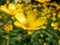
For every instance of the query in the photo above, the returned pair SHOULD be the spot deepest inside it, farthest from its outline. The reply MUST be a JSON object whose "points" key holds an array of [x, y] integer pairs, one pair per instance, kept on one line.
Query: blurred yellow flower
{"points": [[55, 28], [19, 1], [54, 24], [4, 8], [10, 10], [29, 22], [54, 14], [53, 18], [8, 27], [19, 5], [42, 1]]}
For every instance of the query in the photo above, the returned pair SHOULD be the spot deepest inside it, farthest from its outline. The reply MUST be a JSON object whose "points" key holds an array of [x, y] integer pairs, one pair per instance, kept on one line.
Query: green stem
{"points": [[7, 38]]}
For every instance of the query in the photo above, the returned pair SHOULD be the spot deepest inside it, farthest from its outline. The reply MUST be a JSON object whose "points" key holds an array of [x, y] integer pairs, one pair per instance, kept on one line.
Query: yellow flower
{"points": [[11, 9], [19, 5], [53, 18], [43, 1], [7, 1], [54, 24], [29, 22], [4, 8], [43, 14], [55, 28], [8, 27]]}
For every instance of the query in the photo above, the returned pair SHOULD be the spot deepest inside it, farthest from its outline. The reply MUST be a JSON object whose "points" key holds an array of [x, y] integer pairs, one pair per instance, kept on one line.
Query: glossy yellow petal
{"points": [[11, 6], [20, 17], [40, 21], [12, 9], [31, 17], [19, 5], [18, 24], [4, 9], [19, 10], [12, 12], [32, 28]]}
